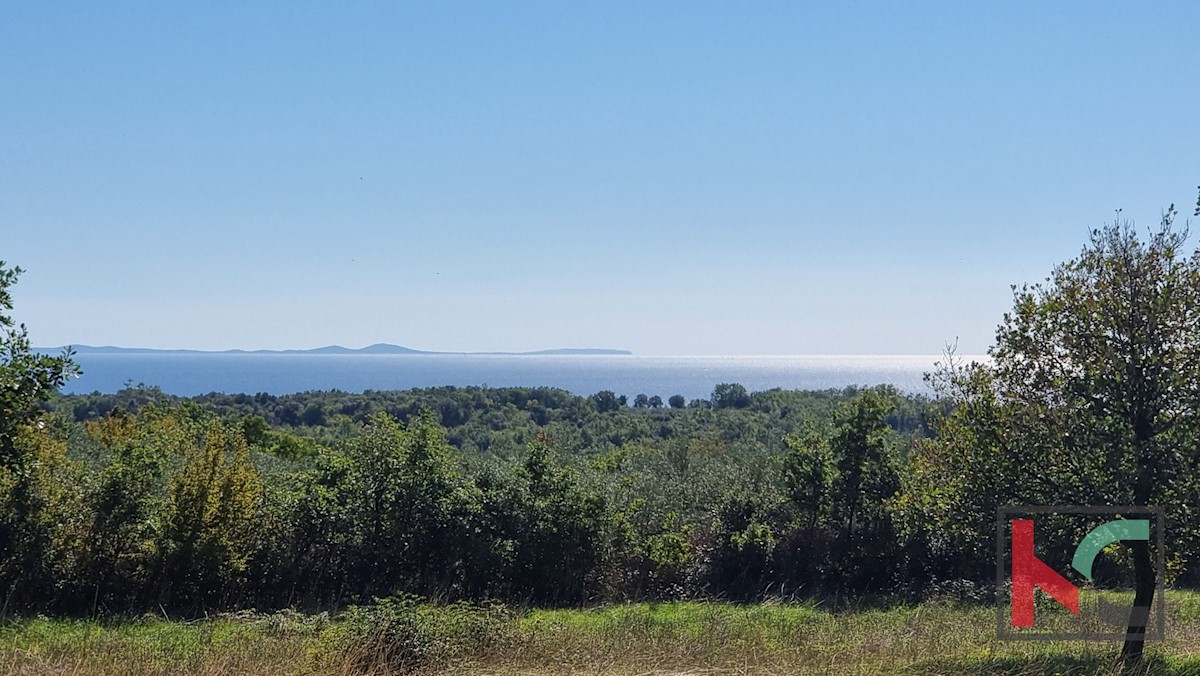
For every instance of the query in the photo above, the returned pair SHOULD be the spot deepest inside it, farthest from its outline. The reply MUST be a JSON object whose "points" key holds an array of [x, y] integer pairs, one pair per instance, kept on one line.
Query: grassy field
{"points": [[666, 638]]}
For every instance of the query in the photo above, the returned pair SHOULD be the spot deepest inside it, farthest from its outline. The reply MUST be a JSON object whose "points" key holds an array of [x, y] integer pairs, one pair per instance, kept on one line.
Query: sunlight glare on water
{"points": [[693, 377]]}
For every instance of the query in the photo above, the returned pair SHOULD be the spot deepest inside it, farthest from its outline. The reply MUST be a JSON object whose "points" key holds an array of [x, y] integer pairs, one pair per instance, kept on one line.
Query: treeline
{"points": [[137, 500], [502, 421], [140, 501]]}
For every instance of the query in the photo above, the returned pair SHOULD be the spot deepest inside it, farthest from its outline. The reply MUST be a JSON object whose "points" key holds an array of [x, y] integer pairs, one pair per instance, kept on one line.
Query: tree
{"points": [[677, 401], [656, 401], [1092, 397], [559, 543], [213, 515], [607, 400], [842, 481], [864, 457], [30, 457], [730, 395], [534, 531], [401, 489], [123, 501], [641, 401], [26, 377]]}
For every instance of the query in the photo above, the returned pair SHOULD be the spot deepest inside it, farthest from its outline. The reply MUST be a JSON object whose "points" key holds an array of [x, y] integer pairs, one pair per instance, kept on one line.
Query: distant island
{"points": [[377, 348]]}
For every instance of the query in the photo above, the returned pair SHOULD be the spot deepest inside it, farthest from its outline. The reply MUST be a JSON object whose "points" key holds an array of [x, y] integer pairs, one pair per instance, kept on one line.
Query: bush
{"points": [[403, 634]]}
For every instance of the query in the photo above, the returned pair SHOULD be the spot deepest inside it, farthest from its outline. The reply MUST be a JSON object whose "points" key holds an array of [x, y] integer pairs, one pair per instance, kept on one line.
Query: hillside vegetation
{"points": [[321, 499]]}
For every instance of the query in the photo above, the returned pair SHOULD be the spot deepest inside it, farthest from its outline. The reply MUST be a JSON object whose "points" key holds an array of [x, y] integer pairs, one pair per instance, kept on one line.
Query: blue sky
{"points": [[670, 178]]}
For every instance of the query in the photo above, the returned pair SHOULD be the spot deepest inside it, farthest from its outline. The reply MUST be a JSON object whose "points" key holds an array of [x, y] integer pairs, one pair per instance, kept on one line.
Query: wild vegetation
{"points": [[486, 500], [403, 636], [521, 495]]}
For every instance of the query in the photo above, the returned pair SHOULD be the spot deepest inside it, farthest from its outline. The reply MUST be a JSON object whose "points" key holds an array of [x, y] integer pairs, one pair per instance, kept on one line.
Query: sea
{"points": [[188, 374]]}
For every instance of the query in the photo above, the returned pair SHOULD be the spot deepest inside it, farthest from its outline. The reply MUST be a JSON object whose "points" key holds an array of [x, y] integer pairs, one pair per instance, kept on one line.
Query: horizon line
{"points": [[597, 351]]}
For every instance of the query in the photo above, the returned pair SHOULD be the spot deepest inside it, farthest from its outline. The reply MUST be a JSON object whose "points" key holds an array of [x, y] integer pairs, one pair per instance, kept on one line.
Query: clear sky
{"points": [[665, 177]]}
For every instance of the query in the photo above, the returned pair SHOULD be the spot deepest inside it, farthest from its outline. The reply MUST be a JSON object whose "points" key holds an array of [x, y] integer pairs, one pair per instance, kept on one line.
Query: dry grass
{"points": [[149, 647], [660, 639]]}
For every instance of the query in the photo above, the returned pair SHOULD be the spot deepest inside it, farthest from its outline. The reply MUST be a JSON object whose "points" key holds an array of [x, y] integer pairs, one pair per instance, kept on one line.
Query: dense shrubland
{"points": [[528, 496], [140, 500]]}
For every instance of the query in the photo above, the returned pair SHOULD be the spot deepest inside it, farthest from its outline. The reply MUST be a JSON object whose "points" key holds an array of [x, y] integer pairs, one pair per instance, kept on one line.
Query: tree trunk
{"points": [[1139, 617]]}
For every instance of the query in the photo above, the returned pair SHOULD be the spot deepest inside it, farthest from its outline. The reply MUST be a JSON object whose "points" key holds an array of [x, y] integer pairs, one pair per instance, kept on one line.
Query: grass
{"points": [[148, 646], [646, 638]]}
